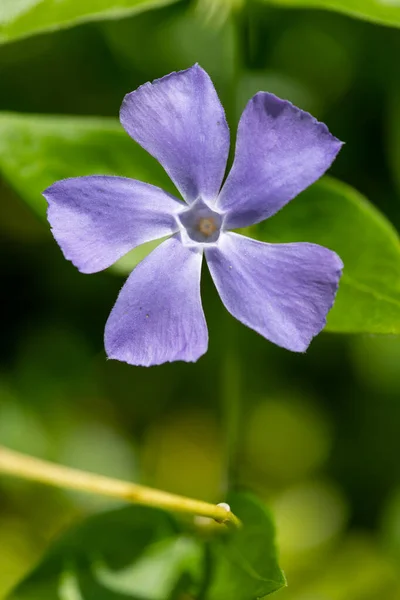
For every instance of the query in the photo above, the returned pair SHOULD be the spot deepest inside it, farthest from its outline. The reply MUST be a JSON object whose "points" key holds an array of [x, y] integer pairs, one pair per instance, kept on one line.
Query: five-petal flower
{"points": [[282, 291]]}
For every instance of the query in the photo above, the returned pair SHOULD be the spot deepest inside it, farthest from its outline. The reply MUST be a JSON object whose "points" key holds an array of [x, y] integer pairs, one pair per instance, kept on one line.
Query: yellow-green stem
{"points": [[27, 467]]}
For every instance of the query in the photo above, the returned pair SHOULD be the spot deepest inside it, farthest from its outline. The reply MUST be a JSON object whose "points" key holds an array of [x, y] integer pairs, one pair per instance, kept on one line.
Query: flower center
{"points": [[199, 224], [207, 226]]}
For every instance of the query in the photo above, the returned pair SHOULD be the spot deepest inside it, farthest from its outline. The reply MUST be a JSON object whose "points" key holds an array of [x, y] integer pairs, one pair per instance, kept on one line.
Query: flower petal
{"points": [[280, 151], [282, 291], [180, 121], [158, 316], [98, 219]]}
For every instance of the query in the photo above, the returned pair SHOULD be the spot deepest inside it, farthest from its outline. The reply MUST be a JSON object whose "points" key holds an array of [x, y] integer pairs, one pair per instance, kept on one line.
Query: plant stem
{"points": [[231, 409], [27, 467]]}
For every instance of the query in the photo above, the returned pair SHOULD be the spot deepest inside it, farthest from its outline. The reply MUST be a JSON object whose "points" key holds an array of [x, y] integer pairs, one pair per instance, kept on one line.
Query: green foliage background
{"points": [[319, 433]]}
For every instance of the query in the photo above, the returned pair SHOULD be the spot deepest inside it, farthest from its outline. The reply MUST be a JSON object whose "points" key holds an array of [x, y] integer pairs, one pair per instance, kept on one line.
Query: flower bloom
{"points": [[282, 291]]}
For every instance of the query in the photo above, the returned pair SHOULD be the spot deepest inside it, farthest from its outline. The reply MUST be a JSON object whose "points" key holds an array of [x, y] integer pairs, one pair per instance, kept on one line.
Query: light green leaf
{"points": [[334, 215], [36, 151], [244, 563], [128, 262], [22, 18], [157, 572], [385, 12]]}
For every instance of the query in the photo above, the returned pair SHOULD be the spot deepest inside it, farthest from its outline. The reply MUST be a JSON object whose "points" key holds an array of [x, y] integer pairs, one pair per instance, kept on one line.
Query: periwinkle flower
{"points": [[282, 291]]}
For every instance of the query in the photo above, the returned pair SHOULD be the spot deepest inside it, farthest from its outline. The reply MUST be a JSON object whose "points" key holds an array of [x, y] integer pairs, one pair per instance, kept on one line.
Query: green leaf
{"points": [[141, 553], [244, 564], [385, 12], [36, 151], [157, 573], [135, 553], [128, 262], [22, 18], [334, 215]]}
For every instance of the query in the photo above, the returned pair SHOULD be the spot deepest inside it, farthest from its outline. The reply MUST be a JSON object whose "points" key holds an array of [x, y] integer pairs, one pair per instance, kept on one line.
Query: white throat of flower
{"points": [[200, 225]]}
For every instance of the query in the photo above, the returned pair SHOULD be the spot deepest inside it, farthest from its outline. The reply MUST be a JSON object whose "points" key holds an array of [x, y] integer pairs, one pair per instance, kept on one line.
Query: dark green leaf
{"points": [[134, 553], [244, 563]]}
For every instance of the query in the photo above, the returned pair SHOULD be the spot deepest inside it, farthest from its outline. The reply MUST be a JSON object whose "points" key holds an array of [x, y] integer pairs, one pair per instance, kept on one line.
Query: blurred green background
{"points": [[320, 433]]}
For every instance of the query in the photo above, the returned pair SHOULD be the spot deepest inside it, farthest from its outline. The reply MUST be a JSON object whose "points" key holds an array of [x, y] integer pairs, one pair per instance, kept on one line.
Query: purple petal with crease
{"points": [[158, 316], [280, 151], [180, 121], [282, 291], [98, 219]]}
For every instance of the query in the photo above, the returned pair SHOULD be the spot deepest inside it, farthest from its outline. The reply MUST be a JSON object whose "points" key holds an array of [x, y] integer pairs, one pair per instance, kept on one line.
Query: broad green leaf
{"points": [[244, 564], [22, 18], [385, 12], [141, 553], [133, 553], [334, 215], [36, 151]]}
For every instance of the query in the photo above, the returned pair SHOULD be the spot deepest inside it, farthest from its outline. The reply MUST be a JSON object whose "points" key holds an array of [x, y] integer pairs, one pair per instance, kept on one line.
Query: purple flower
{"points": [[282, 291]]}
